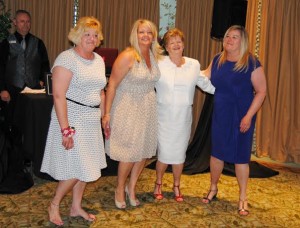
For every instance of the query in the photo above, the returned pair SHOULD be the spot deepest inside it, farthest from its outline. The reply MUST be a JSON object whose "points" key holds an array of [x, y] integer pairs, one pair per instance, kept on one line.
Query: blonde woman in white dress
{"points": [[175, 93], [74, 153]]}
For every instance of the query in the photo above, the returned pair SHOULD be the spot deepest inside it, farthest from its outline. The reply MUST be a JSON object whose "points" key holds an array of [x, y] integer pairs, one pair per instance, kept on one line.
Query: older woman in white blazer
{"points": [[175, 94]]}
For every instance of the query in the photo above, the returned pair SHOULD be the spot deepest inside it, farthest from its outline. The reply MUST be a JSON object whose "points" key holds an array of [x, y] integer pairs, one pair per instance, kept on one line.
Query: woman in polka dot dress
{"points": [[74, 153], [130, 118]]}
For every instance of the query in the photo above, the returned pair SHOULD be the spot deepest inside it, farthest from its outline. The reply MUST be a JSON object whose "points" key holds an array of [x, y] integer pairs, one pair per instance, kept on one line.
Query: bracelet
{"points": [[68, 131], [107, 114]]}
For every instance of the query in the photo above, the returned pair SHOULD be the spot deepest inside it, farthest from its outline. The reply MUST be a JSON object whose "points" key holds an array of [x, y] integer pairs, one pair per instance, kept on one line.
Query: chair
{"points": [[109, 56]]}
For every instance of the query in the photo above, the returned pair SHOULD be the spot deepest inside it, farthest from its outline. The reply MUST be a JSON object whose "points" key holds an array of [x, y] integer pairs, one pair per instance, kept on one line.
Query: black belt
{"points": [[76, 102]]}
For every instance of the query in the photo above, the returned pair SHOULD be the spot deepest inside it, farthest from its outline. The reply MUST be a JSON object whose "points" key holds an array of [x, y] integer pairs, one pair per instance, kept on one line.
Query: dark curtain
{"points": [[198, 151]]}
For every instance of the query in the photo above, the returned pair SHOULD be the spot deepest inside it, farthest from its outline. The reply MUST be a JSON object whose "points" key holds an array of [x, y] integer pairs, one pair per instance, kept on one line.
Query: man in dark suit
{"points": [[23, 62]]}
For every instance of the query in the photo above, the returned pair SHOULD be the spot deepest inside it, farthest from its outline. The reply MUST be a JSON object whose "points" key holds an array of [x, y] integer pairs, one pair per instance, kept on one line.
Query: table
{"points": [[32, 117]]}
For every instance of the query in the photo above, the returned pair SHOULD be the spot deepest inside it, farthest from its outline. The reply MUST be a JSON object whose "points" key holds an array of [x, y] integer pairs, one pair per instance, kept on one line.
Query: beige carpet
{"points": [[273, 202]]}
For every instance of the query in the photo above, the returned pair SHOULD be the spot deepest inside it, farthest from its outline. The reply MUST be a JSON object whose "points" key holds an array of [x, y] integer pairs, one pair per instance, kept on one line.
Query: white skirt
{"points": [[174, 129]]}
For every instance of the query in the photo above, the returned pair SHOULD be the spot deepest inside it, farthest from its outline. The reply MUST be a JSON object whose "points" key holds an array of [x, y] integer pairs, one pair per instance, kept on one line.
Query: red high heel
{"points": [[158, 196], [178, 198]]}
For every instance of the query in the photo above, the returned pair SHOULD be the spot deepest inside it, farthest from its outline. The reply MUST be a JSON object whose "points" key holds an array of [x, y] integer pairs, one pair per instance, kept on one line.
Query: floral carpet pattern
{"points": [[273, 202]]}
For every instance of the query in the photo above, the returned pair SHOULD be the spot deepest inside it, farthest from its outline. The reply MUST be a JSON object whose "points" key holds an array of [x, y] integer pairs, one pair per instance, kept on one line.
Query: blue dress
{"points": [[233, 97]]}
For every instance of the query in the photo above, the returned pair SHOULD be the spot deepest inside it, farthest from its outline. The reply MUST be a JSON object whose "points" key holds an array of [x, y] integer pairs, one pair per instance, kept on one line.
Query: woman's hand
{"points": [[67, 142], [106, 126], [245, 124]]}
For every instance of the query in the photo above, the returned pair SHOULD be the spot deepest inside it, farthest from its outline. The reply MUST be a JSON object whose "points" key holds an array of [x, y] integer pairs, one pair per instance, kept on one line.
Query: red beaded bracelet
{"points": [[68, 132]]}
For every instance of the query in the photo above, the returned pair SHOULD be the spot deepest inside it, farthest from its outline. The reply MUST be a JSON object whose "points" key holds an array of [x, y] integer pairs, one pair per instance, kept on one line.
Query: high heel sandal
{"points": [[207, 200], [158, 196], [120, 205], [242, 211], [179, 197], [133, 202]]}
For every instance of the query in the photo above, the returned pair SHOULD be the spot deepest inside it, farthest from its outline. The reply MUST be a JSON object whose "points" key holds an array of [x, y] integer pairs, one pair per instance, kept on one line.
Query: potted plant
{"points": [[5, 21]]}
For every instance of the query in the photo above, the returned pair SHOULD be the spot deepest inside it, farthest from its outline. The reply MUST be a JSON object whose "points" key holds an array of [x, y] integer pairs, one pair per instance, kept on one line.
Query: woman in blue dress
{"points": [[240, 85]]}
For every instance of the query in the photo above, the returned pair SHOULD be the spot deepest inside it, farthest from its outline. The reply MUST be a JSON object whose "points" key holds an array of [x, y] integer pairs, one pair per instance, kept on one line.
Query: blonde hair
{"points": [[133, 39], [82, 26], [169, 34], [243, 61]]}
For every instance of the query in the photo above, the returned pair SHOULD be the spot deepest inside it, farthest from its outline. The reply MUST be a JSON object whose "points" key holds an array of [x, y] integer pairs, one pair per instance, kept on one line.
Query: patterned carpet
{"points": [[273, 202]]}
